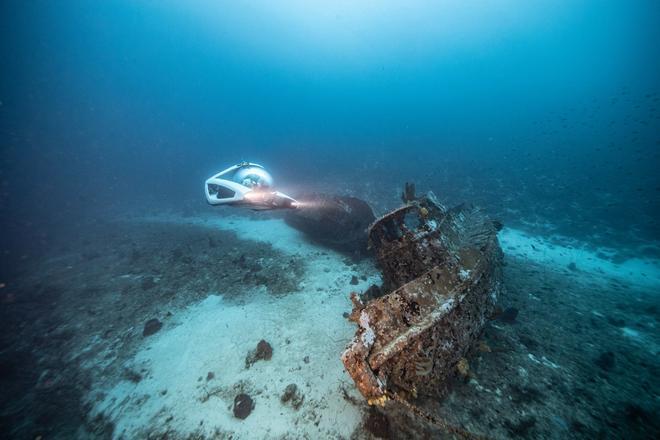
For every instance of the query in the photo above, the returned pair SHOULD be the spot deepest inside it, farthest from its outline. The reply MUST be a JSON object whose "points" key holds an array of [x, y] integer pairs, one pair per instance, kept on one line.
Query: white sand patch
{"points": [[644, 272], [216, 335], [630, 333], [648, 341], [267, 230], [543, 361]]}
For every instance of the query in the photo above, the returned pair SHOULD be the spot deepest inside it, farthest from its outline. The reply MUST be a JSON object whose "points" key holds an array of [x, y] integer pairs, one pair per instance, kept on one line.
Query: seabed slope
{"points": [[579, 360]]}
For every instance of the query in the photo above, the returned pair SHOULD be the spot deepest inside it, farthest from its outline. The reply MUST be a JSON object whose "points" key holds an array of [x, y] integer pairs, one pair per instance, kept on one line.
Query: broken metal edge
{"points": [[365, 355]]}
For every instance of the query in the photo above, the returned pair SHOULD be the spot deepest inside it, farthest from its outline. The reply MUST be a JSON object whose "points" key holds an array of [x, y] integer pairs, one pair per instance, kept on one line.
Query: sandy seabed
{"points": [[577, 358], [305, 328]]}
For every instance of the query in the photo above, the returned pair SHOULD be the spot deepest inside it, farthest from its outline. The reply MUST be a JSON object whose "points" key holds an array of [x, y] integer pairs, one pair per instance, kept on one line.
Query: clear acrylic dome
{"points": [[253, 176]]}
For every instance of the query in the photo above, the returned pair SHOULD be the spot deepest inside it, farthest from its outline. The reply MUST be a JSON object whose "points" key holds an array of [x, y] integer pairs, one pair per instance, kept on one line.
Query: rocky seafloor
{"points": [[572, 354]]}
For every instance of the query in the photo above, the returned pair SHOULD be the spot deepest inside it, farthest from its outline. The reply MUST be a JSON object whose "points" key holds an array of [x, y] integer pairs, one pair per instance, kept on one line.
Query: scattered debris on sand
{"points": [[263, 352], [292, 396], [69, 371]]}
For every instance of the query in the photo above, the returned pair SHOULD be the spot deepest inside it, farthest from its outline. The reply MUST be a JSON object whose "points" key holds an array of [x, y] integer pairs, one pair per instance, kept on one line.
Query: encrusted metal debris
{"points": [[442, 268]]}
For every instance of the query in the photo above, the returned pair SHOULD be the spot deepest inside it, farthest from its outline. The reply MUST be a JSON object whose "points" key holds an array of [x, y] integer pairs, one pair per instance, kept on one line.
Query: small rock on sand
{"points": [[243, 406], [148, 283], [152, 326], [605, 361], [509, 315]]}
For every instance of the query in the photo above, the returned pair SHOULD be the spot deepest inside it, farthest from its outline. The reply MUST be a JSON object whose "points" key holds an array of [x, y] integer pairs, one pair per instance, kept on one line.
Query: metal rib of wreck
{"points": [[443, 271]]}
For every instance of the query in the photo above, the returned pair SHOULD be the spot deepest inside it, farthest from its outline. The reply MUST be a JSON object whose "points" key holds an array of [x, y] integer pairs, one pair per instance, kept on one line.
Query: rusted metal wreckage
{"points": [[442, 271]]}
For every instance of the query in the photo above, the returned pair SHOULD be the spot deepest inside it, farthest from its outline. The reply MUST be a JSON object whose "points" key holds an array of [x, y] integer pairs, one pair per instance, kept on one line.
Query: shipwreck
{"points": [[442, 274]]}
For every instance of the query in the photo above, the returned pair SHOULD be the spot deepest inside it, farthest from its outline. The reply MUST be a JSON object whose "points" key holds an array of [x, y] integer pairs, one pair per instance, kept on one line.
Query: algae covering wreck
{"points": [[442, 274]]}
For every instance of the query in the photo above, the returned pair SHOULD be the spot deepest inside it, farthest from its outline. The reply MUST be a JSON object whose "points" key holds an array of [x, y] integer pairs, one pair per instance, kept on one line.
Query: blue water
{"points": [[546, 113], [550, 108]]}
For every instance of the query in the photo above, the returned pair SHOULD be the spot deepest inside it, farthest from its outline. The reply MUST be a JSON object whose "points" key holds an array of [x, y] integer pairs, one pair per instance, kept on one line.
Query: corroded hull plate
{"points": [[443, 269]]}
